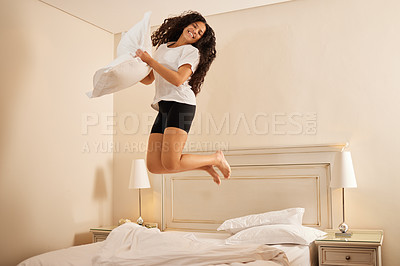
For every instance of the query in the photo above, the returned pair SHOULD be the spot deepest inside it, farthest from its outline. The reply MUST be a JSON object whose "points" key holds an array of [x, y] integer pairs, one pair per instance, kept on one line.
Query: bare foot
{"points": [[210, 169], [223, 165]]}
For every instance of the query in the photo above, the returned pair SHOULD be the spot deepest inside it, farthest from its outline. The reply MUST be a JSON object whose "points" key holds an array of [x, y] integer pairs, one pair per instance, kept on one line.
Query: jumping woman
{"points": [[185, 49]]}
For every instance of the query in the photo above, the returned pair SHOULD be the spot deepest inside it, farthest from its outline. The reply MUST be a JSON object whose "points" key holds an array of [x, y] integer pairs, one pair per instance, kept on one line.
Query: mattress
{"points": [[298, 255]]}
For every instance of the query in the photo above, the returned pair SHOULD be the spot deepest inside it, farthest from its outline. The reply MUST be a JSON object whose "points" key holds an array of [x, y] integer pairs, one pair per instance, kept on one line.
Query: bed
{"points": [[192, 208], [83, 255]]}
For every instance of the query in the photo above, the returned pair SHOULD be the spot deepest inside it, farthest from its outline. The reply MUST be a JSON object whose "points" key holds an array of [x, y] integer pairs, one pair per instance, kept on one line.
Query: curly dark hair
{"points": [[171, 30]]}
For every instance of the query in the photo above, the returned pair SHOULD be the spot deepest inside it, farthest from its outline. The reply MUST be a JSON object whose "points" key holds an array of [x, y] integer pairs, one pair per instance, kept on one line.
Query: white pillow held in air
{"points": [[125, 70]]}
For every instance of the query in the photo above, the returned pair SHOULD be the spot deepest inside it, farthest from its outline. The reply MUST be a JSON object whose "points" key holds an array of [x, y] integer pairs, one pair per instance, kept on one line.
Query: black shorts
{"points": [[173, 114]]}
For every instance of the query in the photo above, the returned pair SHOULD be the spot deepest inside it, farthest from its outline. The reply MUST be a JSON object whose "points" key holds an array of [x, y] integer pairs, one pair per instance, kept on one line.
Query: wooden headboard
{"points": [[262, 180]]}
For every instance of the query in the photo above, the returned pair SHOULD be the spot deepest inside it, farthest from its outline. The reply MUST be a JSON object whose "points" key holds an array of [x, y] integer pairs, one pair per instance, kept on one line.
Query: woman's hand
{"points": [[144, 56]]}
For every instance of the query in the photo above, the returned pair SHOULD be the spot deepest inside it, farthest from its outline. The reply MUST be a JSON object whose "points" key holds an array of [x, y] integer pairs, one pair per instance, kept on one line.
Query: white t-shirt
{"points": [[173, 58]]}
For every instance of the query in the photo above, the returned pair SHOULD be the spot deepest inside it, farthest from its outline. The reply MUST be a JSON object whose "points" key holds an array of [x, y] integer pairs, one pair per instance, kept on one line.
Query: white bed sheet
{"points": [[298, 255], [132, 244], [77, 255]]}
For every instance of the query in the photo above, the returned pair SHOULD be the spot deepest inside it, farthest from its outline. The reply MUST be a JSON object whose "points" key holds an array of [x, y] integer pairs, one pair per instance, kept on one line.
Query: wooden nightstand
{"points": [[101, 233], [362, 248]]}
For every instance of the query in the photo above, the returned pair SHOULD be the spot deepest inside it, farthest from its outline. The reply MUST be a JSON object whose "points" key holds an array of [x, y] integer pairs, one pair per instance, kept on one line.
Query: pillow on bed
{"points": [[287, 216], [125, 70], [276, 234]]}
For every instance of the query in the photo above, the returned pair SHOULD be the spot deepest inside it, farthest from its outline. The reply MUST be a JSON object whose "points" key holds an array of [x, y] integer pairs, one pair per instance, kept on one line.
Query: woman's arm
{"points": [[176, 78], [148, 79]]}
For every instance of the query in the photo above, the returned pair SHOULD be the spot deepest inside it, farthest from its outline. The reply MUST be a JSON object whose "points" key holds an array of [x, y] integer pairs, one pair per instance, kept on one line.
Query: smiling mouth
{"points": [[191, 34]]}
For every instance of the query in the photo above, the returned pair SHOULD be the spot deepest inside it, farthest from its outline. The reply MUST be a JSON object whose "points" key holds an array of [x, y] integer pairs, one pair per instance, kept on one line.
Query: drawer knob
{"points": [[347, 257]]}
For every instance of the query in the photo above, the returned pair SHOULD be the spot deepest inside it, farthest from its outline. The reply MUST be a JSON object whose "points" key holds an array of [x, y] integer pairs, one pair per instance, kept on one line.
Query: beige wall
{"points": [[51, 190], [280, 65]]}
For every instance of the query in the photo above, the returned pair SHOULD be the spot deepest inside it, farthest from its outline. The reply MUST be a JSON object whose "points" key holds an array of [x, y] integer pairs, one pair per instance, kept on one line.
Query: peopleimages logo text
{"points": [[278, 123]]}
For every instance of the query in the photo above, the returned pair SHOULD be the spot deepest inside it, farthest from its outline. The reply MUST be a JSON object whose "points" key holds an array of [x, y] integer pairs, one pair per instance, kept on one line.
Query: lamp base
{"points": [[343, 227], [139, 221]]}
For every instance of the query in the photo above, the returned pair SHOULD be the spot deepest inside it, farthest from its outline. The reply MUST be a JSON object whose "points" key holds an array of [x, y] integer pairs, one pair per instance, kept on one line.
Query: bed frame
{"points": [[263, 179]]}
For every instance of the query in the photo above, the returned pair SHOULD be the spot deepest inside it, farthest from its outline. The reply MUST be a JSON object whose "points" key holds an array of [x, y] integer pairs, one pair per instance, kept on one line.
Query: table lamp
{"points": [[138, 180], [343, 177]]}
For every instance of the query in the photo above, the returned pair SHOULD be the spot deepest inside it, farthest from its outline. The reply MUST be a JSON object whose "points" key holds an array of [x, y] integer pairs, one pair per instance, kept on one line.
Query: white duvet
{"points": [[131, 244]]}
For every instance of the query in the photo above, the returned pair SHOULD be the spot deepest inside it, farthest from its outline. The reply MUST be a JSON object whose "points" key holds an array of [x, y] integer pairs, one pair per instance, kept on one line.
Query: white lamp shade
{"points": [[343, 172], [139, 177]]}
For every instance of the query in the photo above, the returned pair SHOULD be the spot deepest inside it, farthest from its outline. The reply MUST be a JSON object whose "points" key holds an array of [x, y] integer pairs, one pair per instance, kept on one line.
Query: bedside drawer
{"points": [[97, 237], [347, 256]]}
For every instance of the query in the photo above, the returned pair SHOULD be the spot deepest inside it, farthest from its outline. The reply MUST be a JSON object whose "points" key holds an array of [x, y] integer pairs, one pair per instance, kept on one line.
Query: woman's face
{"points": [[194, 31]]}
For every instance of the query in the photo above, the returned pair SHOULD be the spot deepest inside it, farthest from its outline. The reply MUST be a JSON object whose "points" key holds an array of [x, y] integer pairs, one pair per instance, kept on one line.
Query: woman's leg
{"points": [[172, 159], [154, 163], [167, 140]]}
